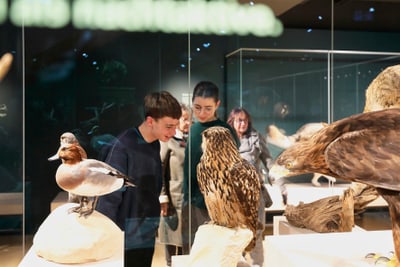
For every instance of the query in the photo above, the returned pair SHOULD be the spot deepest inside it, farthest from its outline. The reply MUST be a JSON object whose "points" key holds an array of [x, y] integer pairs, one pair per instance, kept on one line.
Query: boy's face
{"points": [[164, 128]]}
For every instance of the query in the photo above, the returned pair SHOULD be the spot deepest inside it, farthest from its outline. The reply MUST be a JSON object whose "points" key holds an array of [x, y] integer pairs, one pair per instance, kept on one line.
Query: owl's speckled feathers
{"points": [[229, 183]]}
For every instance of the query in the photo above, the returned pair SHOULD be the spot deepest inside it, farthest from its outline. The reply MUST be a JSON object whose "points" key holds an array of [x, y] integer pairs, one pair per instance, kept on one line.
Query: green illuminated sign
{"points": [[195, 16]]}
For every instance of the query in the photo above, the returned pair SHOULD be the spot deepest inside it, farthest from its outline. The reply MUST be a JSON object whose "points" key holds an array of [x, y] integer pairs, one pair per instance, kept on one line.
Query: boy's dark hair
{"points": [[161, 104]]}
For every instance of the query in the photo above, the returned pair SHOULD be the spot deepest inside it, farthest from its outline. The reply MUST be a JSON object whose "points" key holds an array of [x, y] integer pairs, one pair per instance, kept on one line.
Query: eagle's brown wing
{"points": [[370, 156]]}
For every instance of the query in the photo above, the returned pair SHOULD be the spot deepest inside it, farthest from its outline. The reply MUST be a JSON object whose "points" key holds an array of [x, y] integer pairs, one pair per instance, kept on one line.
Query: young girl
{"points": [[205, 103]]}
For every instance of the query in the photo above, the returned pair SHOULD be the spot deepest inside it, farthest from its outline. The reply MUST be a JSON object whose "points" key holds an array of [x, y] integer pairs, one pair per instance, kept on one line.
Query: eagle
{"points": [[363, 148], [276, 137], [229, 183]]}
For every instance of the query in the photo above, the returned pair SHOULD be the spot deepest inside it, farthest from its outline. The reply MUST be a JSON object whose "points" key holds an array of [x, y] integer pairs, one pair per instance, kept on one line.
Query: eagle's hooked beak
{"points": [[277, 172]]}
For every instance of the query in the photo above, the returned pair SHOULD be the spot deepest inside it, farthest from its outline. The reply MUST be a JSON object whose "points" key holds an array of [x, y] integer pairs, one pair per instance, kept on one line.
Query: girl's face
{"points": [[240, 123], [204, 108]]}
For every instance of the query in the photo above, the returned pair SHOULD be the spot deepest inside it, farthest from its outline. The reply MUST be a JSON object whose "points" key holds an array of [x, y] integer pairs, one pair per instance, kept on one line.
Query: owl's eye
{"points": [[289, 165]]}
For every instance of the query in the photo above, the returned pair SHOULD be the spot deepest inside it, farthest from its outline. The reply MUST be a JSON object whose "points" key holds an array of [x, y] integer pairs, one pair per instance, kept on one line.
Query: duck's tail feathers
{"points": [[128, 183]]}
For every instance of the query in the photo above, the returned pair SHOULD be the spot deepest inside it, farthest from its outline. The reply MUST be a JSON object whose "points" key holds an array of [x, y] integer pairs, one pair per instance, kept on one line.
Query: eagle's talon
{"points": [[388, 261], [382, 259], [370, 255]]}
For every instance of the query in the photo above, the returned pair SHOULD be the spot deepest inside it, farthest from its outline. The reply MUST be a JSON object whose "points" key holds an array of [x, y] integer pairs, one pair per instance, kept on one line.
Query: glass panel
{"points": [[352, 73], [12, 189], [289, 88], [270, 84], [92, 82]]}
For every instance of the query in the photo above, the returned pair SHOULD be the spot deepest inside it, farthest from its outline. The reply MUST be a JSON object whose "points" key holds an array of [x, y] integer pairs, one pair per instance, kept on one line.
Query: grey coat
{"points": [[253, 148], [172, 157]]}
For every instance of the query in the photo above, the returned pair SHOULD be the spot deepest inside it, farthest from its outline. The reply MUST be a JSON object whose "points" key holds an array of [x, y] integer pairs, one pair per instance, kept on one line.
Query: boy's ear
{"points": [[149, 120]]}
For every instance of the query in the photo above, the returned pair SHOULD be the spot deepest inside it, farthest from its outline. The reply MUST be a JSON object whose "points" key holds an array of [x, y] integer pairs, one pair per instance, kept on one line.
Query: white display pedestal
{"points": [[180, 261], [32, 260], [215, 245], [322, 250], [326, 250], [65, 237]]}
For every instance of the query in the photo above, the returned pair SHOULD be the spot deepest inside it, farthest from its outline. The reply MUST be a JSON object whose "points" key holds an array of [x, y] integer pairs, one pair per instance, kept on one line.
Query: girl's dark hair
{"points": [[161, 104], [206, 89], [236, 111]]}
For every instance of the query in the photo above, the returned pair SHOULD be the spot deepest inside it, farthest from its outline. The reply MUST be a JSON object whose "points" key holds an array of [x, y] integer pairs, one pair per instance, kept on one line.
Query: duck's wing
{"points": [[100, 178], [97, 166]]}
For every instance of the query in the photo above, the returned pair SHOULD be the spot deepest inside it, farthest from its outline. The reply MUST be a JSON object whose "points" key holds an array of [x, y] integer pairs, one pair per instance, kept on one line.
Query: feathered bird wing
{"points": [[246, 188], [369, 156], [349, 149], [90, 177]]}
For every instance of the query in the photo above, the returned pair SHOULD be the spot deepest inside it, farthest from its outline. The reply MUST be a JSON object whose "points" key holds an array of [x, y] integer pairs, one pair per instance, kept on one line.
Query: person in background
{"points": [[172, 157], [136, 153], [254, 149], [205, 102]]}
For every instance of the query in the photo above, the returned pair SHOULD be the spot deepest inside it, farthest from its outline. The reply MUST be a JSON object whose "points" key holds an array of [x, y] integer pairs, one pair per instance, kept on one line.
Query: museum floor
{"points": [[10, 245]]}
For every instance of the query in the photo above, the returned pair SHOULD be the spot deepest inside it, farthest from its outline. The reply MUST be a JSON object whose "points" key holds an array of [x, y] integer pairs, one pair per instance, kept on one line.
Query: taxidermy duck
{"points": [[66, 139], [87, 178]]}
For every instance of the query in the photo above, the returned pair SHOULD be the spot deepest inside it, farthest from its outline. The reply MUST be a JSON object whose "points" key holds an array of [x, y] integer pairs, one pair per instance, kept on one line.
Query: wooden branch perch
{"points": [[331, 214]]}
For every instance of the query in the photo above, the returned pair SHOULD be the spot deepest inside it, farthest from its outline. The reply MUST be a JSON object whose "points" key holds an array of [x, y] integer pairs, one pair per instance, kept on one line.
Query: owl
{"points": [[229, 183]]}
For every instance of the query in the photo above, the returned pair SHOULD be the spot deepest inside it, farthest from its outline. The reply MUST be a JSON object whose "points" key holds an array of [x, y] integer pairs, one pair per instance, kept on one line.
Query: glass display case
{"points": [[289, 88], [14, 190], [92, 81]]}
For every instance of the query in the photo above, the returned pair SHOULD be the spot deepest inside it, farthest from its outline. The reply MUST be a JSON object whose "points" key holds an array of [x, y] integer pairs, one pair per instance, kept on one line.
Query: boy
{"points": [[136, 153]]}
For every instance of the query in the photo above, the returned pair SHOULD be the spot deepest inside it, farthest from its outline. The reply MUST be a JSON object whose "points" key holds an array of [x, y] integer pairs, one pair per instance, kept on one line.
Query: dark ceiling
{"points": [[349, 15]]}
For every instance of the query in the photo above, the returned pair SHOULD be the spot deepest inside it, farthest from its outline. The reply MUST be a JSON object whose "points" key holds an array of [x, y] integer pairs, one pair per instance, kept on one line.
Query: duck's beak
{"points": [[54, 157]]}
